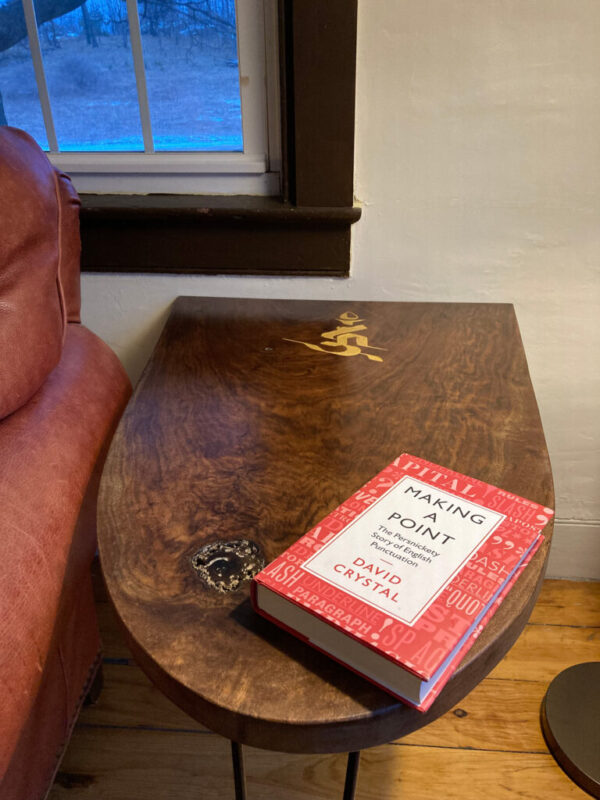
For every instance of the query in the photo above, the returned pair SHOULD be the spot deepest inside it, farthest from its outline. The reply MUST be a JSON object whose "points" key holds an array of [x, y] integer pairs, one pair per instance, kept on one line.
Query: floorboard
{"points": [[134, 744]]}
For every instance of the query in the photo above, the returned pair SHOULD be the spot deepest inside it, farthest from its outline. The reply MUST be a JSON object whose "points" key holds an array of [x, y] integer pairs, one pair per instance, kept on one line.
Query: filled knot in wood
{"points": [[223, 566]]}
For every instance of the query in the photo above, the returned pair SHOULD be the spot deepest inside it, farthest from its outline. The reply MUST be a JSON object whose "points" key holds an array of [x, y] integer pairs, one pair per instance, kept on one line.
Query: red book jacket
{"points": [[412, 565]]}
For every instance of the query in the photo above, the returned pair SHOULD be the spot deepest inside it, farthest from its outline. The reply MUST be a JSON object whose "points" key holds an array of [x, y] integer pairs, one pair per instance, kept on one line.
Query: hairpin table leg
{"points": [[239, 778], [351, 775]]}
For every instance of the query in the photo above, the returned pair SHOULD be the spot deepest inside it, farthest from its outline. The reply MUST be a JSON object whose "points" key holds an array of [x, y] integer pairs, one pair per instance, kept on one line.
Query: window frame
{"points": [[303, 231], [254, 170]]}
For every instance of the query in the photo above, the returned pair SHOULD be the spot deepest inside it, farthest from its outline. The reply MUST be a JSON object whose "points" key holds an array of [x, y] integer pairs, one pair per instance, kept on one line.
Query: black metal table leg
{"points": [[351, 775], [239, 778]]}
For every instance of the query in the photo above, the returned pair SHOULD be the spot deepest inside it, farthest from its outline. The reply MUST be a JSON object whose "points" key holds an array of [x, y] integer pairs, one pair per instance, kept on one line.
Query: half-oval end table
{"points": [[249, 423]]}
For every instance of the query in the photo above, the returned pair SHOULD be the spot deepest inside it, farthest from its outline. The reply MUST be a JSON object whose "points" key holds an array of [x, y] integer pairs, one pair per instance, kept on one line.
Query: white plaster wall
{"points": [[478, 169]]}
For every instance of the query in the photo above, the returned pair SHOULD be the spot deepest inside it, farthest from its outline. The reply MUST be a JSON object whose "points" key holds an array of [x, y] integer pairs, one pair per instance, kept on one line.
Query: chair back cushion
{"points": [[39, 266]]}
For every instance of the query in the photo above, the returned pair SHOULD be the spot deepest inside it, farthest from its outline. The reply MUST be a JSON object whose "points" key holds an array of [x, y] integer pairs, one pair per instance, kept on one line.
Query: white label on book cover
{"points": [[400, 553]]}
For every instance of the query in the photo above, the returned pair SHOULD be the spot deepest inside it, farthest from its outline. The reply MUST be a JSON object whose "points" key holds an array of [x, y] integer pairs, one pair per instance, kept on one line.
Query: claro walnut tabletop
{"points": [[250, 422]]}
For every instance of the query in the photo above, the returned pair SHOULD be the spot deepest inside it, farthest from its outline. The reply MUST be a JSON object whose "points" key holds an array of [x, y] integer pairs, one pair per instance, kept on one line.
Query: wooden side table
{"points": [[252, 420]]}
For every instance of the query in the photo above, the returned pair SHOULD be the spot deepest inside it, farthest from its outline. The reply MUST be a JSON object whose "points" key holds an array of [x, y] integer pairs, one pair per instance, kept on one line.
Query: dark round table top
{"points": [[238, 430], [571, 723]]}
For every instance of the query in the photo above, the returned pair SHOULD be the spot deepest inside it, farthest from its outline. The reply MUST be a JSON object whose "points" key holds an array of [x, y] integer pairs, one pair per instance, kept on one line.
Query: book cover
{"points": [[399, 580]]}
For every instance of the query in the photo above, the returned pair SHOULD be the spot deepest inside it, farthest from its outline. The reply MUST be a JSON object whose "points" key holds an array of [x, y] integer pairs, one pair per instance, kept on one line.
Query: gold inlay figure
{"points": [[347, 337]]}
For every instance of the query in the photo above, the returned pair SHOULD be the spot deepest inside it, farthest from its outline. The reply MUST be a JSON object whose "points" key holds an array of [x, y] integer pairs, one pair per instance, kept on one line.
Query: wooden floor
{"points": [[135, 745]]}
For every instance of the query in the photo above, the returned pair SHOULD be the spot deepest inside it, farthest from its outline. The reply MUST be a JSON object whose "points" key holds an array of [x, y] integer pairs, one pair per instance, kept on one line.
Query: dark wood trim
{"points": [[320, 85], [306, 231], [243, 243], [288, 159], [205, 210]]}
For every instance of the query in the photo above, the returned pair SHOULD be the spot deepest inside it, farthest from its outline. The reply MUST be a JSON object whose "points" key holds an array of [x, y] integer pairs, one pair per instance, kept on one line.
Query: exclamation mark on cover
{"points": [[386, 622]]}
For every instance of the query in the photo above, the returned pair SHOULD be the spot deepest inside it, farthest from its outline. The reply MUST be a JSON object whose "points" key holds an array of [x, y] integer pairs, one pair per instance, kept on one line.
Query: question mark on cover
{"points": [[386, 622]]}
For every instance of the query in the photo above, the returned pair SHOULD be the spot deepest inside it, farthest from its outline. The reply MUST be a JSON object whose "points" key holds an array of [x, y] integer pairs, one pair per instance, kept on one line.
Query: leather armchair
{"points": [[62, 391]]}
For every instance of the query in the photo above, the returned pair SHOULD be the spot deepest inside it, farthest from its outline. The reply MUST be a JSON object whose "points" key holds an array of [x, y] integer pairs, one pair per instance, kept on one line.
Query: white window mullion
{"points": [[135, 36], [40, 75], [273, 110], [251, 36]]}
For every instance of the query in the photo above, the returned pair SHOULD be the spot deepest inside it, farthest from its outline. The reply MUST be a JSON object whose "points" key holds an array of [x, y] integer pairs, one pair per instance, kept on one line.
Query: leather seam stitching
{"points": [[59, 287]]}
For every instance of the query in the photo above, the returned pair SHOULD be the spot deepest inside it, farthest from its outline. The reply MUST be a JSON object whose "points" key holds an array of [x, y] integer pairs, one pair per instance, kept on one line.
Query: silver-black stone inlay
{"points": [[223, 566]]}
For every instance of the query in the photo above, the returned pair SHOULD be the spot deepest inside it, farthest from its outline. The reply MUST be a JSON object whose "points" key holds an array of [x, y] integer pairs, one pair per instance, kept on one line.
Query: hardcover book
{"points": [[398, 581]]}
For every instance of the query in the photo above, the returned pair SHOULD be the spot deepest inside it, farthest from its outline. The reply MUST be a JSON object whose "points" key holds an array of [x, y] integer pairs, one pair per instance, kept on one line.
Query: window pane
{"points": [[190, 52], [19, 100], [91, 82]]}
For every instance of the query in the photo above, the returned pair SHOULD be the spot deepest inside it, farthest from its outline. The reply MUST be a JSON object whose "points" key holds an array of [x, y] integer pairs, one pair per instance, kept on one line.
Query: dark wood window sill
{"points": [[214, 234]]}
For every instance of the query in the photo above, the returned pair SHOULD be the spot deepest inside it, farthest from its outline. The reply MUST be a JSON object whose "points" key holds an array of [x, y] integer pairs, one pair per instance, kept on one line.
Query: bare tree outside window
{"points": [[190, 56]]}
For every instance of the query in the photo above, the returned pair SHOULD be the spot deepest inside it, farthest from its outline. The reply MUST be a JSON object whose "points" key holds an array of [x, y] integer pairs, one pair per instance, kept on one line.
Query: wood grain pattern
{"points": [[568, 648], [129, 700], [235, 433], [568, 603]]}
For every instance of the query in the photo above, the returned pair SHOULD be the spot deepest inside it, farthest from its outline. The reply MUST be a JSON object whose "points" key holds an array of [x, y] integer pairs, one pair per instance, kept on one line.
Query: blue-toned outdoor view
{"points": [[190, 55]]}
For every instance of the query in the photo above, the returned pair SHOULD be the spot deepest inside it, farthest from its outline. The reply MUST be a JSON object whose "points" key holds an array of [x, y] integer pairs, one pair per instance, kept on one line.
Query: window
{"points": [[301, 229], [146, 96]]}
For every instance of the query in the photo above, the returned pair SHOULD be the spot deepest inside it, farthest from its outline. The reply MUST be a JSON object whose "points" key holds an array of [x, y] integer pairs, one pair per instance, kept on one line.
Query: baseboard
{"points": [[575, 551]]}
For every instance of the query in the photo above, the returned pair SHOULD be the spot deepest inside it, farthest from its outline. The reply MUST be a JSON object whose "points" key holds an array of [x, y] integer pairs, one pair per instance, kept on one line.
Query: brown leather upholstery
{"points": [[39, 266], [62, 391]]}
